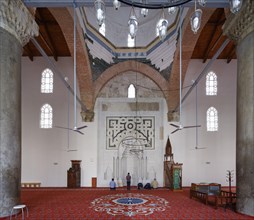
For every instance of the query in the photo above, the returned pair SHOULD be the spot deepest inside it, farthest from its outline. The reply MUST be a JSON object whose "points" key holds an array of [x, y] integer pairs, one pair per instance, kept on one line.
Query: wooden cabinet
{"points": [[74, 174]]}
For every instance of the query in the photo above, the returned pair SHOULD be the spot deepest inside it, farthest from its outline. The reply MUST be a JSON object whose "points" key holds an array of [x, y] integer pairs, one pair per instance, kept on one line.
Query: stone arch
{"points": [[131, 65], [64, 18]]}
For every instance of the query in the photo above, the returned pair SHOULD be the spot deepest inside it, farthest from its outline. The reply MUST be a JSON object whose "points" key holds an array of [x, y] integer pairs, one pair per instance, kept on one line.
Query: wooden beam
{"points": [[210, 46], [231, 53], [47, 42], [29, 52]]}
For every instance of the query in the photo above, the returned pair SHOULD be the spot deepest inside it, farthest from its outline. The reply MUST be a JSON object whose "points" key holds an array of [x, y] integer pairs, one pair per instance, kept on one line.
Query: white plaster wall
{"points": [[44, 151], [209, 164]]}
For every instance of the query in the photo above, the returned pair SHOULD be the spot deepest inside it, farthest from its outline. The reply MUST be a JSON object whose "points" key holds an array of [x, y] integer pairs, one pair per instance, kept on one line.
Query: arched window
{"points": [[47, 81], [212, 119], [211, 84], [46, 116], [131, 91]]}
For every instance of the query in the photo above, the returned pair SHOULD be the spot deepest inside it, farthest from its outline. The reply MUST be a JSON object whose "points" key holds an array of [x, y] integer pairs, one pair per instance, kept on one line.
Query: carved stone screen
{"points": [[119, 128]]}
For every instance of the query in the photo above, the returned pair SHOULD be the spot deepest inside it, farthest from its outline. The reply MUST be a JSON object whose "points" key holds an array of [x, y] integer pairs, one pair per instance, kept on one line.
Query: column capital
{"points": [[87, 116], [238, 26], [17, 20], [173, 116]]}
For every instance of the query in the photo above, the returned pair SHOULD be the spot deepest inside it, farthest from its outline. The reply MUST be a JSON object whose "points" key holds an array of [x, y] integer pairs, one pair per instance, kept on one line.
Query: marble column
{"points": [[240, 28], [16, 28]]}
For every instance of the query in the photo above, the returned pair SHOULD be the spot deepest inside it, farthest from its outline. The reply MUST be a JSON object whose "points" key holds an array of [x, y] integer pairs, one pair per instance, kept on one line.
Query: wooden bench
{"points": [[31, 185], [207, 193], [212, 194], [226, 199]]}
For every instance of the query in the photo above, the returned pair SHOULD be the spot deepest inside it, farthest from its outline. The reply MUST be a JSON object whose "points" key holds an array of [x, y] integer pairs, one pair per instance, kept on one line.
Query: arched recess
{"points": [[189, 40], [64, 17], [131, 65]]}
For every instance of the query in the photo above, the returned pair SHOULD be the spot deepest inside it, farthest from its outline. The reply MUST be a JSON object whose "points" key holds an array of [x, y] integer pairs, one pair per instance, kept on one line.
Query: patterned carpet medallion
{"points": [[129, 204]]}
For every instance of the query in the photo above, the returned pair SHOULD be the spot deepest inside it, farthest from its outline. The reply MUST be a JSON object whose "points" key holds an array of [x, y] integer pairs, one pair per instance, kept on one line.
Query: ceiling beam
{"points": [[29, 52], [47, 42], [231, 53], [211, 45]]}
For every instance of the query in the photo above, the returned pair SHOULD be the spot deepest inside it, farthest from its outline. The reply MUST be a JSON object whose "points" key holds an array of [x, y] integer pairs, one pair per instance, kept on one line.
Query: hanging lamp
{"points": [[202, 2], [100, 11], [235, 5], [133, 24], [116, 4], [195, 20], [144, 11], [162, 26]]}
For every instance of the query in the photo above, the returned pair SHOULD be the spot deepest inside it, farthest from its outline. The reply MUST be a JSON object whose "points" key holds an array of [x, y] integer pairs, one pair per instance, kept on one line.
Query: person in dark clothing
{"points": [[140, 185], [148, 186], [128, 179]]}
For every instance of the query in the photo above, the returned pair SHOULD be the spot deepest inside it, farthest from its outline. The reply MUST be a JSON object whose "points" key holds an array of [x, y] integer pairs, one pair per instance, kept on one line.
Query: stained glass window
{"points": [[211, 84], [212, 119], [46, 116], [47, 81]]}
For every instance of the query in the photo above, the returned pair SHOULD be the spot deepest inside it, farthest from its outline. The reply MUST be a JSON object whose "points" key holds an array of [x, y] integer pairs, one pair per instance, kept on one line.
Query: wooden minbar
{"points": [[172, 170], [74, 174]]}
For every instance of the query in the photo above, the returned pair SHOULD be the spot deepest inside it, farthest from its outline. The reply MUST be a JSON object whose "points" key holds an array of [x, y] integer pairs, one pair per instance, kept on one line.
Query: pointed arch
{"points": [[46, 119], [211, 84], [212, 119], [131, 91], [47, 80], [131, 65]]}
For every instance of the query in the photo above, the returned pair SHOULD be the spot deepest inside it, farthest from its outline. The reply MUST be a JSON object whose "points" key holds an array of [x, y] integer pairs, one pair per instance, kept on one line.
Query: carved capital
{"points": [[87, 116], [17, 20], [238, 26], [173, 116]]}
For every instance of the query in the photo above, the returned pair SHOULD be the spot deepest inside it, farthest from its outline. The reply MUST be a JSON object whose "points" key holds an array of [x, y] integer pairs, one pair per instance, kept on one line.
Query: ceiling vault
{"points": [[56, 38]]}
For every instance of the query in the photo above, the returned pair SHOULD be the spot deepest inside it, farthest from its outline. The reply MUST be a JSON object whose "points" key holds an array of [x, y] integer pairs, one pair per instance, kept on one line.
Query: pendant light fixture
{"points": [[162, 26], [100, 11], [195, 20], [116, 4], [235, 5], [144, 11], [202, 2], [133, 24], [172, 10]]}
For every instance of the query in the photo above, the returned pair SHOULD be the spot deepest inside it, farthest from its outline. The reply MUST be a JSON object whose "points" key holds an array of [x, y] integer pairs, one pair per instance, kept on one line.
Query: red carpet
{"points": [[99, 203]]}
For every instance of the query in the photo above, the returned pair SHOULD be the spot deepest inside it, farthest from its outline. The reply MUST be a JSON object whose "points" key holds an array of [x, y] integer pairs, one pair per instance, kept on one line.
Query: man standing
{"points": [[128, 179]]}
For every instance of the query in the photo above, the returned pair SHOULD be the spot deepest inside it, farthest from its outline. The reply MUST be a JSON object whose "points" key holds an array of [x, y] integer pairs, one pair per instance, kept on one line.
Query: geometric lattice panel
{"points": [[119, 128]]}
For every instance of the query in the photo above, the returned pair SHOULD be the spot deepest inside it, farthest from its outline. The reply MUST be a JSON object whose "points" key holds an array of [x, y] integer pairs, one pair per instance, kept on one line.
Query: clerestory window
{"points": [[211, 84], [131, 91], [212, 119], [47, 81], [46, 120]]}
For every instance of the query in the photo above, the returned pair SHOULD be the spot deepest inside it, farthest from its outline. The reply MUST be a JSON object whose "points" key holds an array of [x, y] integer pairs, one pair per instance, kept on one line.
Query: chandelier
{"points": [[162, 25]]}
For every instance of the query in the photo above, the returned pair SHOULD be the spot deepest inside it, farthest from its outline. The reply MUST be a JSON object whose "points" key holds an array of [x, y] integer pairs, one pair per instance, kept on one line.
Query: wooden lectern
{"points": [[74, 174]]}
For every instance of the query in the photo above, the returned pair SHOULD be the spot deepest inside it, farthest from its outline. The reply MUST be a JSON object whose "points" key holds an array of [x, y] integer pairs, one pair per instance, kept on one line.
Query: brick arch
{"points": [[189, 41], [131, 65], [64, 17]]}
